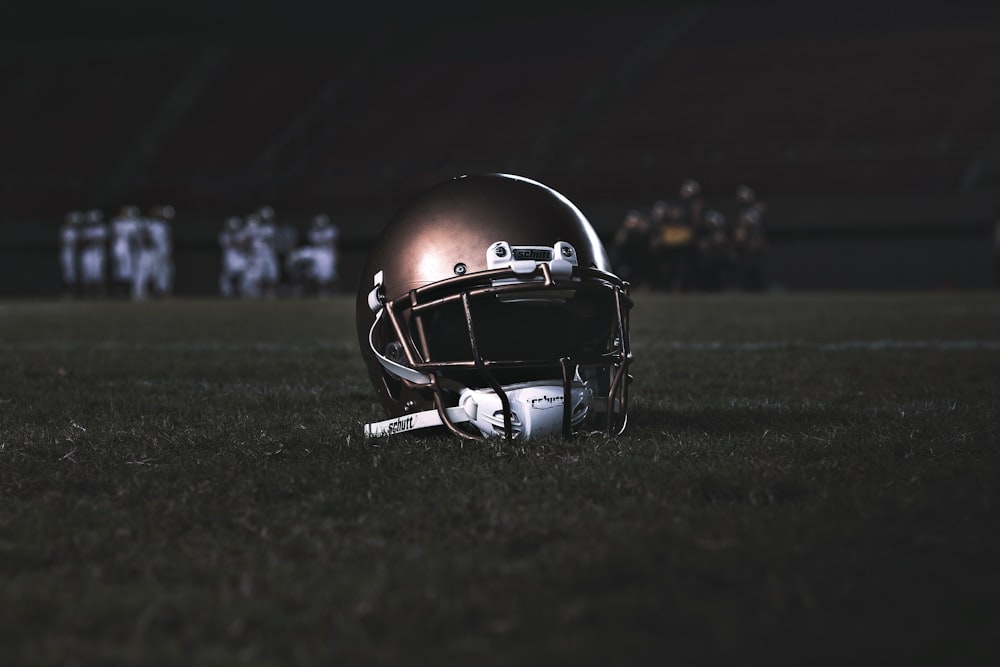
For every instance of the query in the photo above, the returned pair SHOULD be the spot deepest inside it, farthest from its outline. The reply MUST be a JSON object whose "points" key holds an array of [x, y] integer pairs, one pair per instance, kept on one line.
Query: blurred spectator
{"points": [[93, 254], [69, 234], [631, 248]]}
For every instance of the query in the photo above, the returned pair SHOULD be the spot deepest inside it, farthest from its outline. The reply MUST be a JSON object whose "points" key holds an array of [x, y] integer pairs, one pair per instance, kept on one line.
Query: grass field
{"points": [[806, 479]]}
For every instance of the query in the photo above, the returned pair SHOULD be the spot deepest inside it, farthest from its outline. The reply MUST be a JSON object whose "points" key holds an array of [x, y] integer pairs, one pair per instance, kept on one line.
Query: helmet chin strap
{"points": [[413, 422], [536, 410]]}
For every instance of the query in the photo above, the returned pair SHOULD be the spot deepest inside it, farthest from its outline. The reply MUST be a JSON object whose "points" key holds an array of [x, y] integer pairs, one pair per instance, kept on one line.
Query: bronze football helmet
{"points": [[487, 307]]}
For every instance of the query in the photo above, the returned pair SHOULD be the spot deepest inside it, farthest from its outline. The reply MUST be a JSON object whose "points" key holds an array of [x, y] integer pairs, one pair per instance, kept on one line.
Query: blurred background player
{"points": [[69, 234], [265, 248], [313, 266], [154, 267], [162, 220], [286, 240], [746, 198], [631, 248], [673, 246], [324, 238], [145, 259], [93, 254], [691, 202], [748, 239], [996, 253], [712, 257], [124, 228], [256, 252], [748, 250], [234, 260]]}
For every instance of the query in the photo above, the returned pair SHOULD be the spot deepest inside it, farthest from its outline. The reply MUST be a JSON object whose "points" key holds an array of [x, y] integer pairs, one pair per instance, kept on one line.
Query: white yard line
{"points": [[827, 346], [190, 346], [679, 345]]}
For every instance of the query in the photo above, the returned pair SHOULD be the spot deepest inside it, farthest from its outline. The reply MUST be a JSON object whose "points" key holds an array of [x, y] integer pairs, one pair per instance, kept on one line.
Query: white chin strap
{"points": [[536, 409]]}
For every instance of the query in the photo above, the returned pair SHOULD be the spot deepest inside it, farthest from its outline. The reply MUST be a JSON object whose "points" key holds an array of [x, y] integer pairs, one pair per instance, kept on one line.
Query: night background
{"points": [[810, 470], [869, 131]]}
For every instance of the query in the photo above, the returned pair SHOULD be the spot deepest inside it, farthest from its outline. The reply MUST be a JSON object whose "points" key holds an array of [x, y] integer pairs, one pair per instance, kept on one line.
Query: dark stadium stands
{"points": [[850, 118], [467, 99], [249, 103], [885, 111], [72, 112], [606, 104]]}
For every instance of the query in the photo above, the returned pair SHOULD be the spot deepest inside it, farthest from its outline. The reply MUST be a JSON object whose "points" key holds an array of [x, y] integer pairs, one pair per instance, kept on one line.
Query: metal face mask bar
{"points": [[518, 273]]}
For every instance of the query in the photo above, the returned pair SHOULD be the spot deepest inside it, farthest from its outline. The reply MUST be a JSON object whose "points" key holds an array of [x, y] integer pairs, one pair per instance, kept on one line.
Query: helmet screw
{"points": [[460, 269], [501, 251], [394, 350], [567, 251]]}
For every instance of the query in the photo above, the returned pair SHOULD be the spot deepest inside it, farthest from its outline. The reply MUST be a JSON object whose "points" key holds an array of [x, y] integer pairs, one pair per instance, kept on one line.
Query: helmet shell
{"points": [[454, 223], [445, 232]]}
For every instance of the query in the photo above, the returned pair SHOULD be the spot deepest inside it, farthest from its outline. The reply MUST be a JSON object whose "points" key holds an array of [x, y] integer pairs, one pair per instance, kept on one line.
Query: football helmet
{"points": [[488, 307], [745, 194], [690, 188]]}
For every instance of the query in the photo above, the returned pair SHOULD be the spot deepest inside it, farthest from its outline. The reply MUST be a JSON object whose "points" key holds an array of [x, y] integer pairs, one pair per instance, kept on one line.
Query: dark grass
{"points": [[186, 483]]}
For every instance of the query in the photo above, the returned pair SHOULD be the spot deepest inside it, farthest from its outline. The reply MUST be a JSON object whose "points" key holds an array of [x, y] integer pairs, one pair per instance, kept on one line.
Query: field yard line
{"points": [[831, 346], [679, 345], [189, 346]]}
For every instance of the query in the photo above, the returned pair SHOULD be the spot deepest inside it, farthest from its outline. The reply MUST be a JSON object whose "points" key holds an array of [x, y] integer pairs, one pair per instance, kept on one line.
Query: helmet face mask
{"points": [[466, 326]]}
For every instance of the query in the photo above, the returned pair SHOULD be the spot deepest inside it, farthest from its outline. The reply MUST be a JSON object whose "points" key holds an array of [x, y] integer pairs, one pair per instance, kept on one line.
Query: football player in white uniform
{"points": [[234, 259], [251, 238], [163, 239], [154, 265], [323, 237], [262, 271], [68, 236], [124, 227], [144, 247], [313, 266], [265, 238], [93, 254]]}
